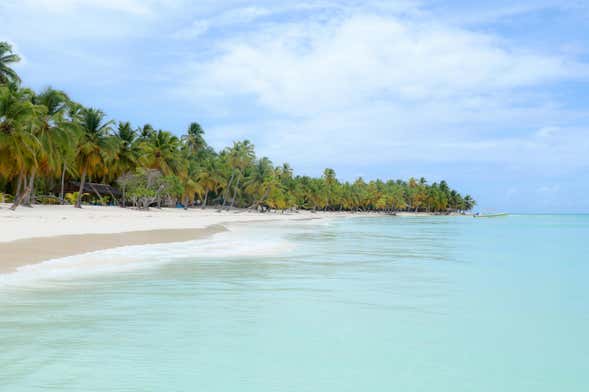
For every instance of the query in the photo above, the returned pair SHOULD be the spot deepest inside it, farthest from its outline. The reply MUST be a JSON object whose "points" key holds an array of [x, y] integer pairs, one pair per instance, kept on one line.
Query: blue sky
{"points": [[494, 99]]}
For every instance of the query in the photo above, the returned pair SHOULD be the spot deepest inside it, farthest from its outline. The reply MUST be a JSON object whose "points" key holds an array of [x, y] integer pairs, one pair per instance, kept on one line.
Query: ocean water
{"points": [[358, 304]]}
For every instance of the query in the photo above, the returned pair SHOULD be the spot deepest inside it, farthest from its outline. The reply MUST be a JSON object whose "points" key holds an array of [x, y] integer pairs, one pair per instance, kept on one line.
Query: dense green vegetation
{"points": [[47, 141]]}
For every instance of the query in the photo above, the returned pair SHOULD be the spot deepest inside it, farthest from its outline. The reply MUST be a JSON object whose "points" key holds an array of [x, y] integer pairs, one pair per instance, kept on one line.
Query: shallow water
{"points": [[362, 304]]}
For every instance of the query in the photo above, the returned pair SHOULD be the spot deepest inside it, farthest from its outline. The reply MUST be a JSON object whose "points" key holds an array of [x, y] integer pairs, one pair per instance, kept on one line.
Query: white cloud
{"points": [[232, 17], [310, 67], [548, 131], [68, 6], [379, 89], [195, 30], [55, 24]]}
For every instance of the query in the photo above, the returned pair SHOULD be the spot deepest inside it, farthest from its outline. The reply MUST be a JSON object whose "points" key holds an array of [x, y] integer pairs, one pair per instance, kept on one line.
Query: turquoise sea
{"points": [[351, 304]]}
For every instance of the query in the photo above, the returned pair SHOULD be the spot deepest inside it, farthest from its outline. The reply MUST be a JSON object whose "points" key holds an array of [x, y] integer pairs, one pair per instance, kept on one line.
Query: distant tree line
{"points": [[48, 140]]}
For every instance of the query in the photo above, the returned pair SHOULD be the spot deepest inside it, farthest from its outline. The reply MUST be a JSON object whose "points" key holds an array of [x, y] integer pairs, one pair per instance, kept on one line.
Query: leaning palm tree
{"points": [[238, 158], [262, 181], [210, 178], [54, 134], [7, 57], [18, 144], [94, 146], [188, 176]]}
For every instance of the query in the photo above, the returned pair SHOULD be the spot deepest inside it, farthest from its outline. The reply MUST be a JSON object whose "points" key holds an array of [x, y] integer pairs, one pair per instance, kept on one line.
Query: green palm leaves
{"points": [[161, 152], [94, 147], [194, 141], [7, 59]]}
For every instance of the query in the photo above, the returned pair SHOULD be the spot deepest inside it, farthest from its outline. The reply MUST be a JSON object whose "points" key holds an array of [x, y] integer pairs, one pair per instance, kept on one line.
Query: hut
{"points": [[93, 188]]}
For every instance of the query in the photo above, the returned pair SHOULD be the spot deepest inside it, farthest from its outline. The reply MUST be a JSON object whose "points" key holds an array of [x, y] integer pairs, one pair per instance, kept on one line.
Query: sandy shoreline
{"points": [[34, 250], [32, 235]]}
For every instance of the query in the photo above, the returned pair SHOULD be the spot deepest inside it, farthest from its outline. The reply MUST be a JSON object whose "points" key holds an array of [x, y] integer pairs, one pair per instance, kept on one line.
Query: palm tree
{"points": [[18, 144], [330, 182], [94, 147], [145, 132], [238, 157], [284, 171], [262, 181], [54, 134], [209, 178], [469, 203], [194, 140], [188, 175], [126, 156], [160, 152], [127, 150], [7, 57]]}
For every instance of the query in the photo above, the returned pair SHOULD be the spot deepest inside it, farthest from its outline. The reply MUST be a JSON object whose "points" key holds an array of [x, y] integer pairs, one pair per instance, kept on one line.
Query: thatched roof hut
{"points": [[93, 188]]}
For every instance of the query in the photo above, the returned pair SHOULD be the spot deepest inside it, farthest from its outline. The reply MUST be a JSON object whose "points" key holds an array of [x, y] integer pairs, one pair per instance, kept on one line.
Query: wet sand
{"points": [[21, 252]]}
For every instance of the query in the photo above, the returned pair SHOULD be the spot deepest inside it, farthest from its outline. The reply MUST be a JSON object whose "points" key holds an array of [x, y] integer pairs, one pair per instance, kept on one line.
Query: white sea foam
{"points": [[239, 241]]}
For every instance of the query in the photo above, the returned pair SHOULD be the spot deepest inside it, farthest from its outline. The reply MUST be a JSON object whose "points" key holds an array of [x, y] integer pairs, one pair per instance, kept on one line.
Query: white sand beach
{"points": [[31, 235]]}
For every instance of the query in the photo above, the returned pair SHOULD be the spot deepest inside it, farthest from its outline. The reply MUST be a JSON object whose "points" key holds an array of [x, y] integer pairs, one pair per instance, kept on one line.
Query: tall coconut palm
{"points": [[127, 150], [469, 203], [54, 134], [188, 174], [94, 146], [71, 122], [330, 182], [262, 181], [7, 58], [160, 152], [18, 144], [194, 140], [209, 178], [285, 171], [145, 132], [238, 157]]}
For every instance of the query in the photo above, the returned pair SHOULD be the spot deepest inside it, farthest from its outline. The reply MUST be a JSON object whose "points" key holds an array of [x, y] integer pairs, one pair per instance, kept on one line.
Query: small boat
{"points": [[477, 215]]}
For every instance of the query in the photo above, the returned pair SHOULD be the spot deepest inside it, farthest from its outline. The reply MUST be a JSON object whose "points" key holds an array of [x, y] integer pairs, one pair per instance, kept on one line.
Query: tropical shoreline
{"points": [[33, 235]]}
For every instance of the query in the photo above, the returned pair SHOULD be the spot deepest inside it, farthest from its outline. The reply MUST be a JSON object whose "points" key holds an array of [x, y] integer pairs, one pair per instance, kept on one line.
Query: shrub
{"points": [[72, 197]]}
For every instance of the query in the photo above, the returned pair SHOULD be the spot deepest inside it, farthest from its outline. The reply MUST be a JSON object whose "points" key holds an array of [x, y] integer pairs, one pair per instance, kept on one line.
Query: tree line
{"points": [[47, 140]]}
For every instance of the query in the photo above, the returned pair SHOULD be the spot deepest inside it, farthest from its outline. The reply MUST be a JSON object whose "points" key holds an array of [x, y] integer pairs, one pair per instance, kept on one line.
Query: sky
{"points": [[492, 98]]}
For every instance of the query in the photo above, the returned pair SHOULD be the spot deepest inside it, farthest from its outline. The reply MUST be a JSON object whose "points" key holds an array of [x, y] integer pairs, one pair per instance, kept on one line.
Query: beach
{"points": [[44, 232], [32, 235]]}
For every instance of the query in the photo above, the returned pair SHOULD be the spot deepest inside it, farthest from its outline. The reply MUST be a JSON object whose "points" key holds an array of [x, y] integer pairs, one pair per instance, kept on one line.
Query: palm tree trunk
{"points": [[100, 199], [82, 181], [19, 182], [227, 190], [19, 199], [61, 192], [124, 199], [257, 203], [28, 199], [204, 203], [235, 192], [18, 196]]}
